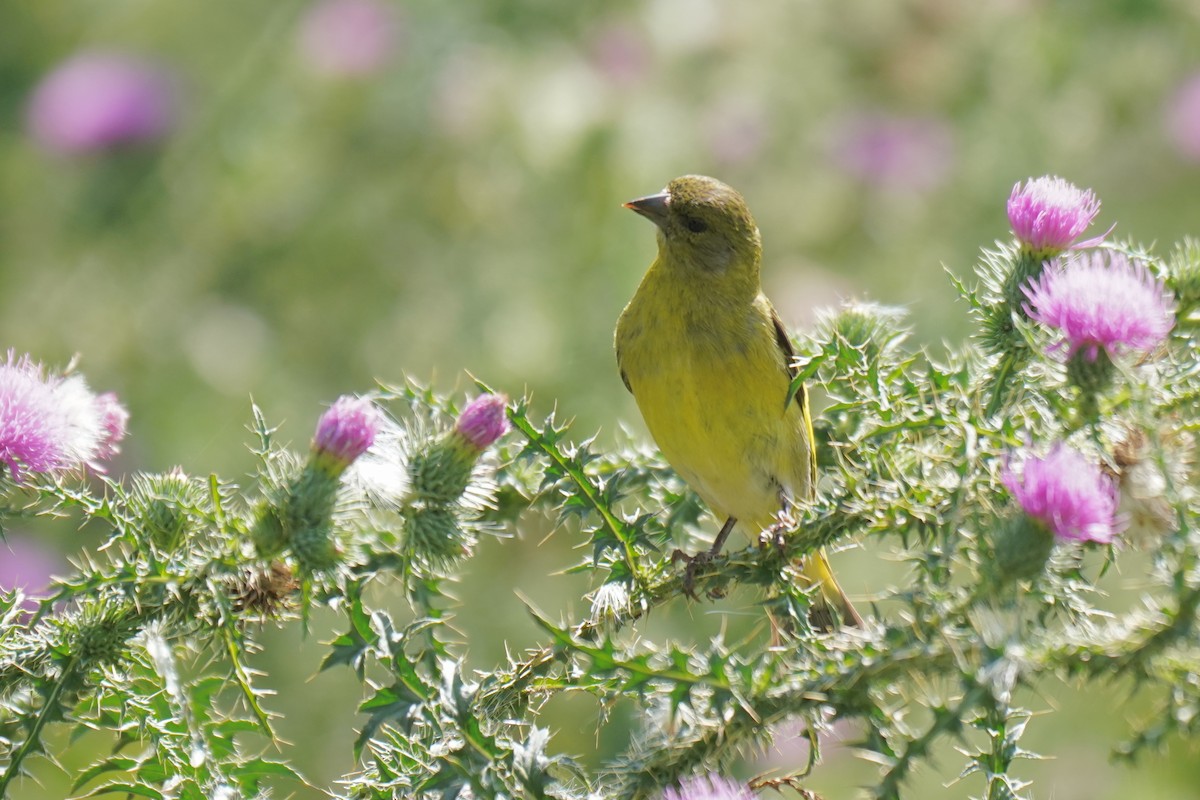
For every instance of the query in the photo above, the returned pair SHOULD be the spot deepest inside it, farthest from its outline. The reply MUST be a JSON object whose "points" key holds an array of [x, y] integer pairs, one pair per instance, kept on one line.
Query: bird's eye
{"points": [[695, 225]]}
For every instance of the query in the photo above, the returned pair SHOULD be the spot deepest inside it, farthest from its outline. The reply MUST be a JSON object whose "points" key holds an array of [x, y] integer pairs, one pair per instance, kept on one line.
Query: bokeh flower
{"points": [[1048, 214], [50, 423], [708, 787], [738, 128], [483, 421], [620, 53], [27, 565], [349, 38], [97, 101], [894, 152], [346, 430], [1065, 492], [1183, 119], [1101, 301]]}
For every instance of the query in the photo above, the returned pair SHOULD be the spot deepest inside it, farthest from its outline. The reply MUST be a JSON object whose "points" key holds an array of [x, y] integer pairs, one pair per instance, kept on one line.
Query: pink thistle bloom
{"points": [[1047, 214], [708, 787], [114, 424], [31, 427], [348, 38], [483, 421], [47, 423], [347, 429], [97, 101], [1101, 300], [1066, 493]]}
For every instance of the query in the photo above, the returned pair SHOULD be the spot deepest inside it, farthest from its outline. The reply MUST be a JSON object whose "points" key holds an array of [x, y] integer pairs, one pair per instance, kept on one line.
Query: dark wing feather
{"points": [[789, 357]]}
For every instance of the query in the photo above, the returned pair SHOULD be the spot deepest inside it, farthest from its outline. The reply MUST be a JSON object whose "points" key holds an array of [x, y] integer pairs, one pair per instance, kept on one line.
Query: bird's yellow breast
{"points": [[711, 382]]}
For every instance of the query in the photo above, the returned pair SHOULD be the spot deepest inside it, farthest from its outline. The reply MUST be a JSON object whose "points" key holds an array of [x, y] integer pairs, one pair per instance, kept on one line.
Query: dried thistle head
{"points": [[265, 592]]}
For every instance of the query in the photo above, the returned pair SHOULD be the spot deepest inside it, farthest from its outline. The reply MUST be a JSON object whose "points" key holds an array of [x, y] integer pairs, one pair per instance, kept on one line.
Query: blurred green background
{"points": [[435, 187]]}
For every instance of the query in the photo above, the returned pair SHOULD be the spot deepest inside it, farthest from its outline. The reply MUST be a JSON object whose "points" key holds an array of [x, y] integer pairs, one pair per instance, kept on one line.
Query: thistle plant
{"points": [[1005, 483]]}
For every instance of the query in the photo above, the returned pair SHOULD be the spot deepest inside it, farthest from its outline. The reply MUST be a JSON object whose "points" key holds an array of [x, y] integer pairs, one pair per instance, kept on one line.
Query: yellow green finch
{"points": [[710, 365]]}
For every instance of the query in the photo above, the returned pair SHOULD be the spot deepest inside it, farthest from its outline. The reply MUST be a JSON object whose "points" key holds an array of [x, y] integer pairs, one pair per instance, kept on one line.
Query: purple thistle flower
{"points": [[1047, 214], [30, 428], [1101, 300], [348, 38], [483, 421], [1066, 493], [47, 423], [97, 101], [347, 429], [708, 787]]}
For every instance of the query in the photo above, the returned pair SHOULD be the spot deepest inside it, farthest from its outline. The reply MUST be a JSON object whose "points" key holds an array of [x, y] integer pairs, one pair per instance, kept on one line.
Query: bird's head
{"points": [[703, 224]]}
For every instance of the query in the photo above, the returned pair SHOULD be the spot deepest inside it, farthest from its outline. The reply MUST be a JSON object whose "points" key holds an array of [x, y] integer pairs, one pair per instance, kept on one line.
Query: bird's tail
{"points": [[830, 604]]}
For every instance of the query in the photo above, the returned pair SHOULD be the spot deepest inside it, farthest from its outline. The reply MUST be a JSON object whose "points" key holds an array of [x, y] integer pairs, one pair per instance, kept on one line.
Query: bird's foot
{"points": [[776, 533], [694, 564]]}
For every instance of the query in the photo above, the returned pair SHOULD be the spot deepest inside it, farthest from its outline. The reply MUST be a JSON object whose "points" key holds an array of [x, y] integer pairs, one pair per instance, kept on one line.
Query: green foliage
{"points": [[153, 640]]}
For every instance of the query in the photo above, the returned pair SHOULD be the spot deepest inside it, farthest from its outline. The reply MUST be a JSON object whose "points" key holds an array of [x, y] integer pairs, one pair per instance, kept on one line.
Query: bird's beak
{"points": [[653, 207]]}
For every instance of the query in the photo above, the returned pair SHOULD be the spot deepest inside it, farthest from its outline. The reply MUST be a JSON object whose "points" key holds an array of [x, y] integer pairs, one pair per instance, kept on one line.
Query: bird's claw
{"points": [[776, 533], [694, 564]]}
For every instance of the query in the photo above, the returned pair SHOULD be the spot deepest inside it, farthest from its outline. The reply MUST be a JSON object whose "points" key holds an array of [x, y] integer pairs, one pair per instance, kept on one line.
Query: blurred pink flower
{"points": [[1183, 119], [620, 53], [26, 565], [349, 38], [98, 101], [738, 128], [708, 787], [894, 152]]}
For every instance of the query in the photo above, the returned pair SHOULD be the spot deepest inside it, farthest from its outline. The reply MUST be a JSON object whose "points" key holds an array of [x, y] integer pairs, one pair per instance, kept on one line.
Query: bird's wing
{"points": [[789, 358], [621, 369]]}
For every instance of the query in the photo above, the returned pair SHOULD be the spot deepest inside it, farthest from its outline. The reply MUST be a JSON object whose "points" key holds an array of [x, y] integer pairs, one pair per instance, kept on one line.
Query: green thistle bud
{"points": [[440, 471], [1092, 372], [100, 634], [1025, 267], [1021, 549], [304, 504], [1183, 275], [316, 548], [434, 535], [166, 507], [870, 329], [267, 533]]}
